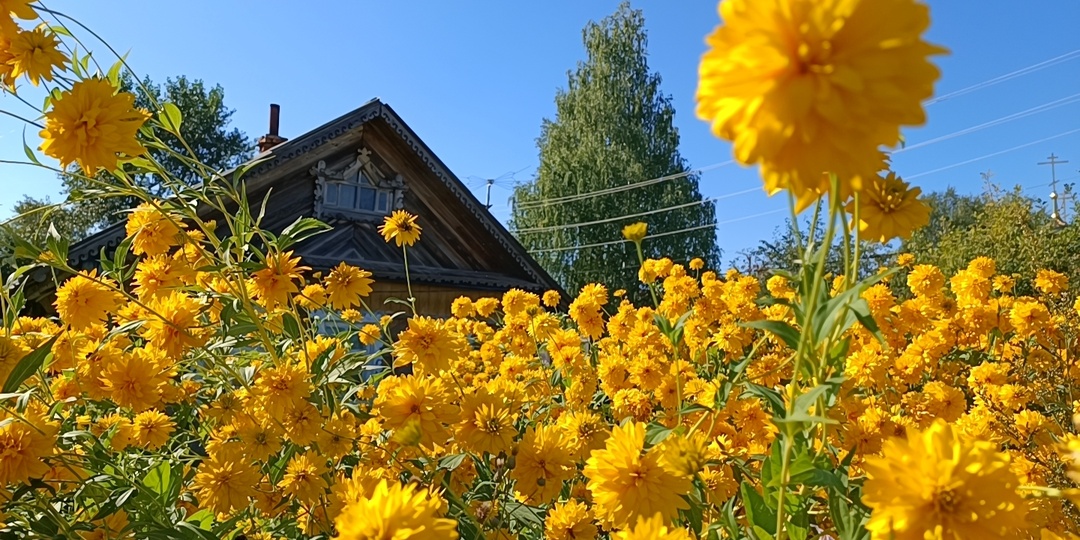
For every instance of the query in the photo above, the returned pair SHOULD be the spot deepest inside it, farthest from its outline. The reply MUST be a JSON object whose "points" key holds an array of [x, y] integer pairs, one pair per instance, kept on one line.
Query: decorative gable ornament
{"points": [[358, 191]]}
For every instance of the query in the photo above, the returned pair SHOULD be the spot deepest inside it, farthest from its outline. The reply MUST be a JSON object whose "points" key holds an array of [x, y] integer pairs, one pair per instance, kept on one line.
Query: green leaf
{"points": [[452, 462], [300, 230], [656, 433], [28, 366], [158, 478], [170, 117], [780, 329], [758, 513], [772, 397]]}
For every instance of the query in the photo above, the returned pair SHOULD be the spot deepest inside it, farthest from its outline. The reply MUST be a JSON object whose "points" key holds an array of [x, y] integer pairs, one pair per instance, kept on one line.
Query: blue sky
{"points": [[474, 79]]}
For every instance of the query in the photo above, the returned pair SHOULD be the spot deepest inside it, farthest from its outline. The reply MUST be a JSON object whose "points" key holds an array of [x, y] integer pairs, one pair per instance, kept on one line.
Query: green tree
{"points": [[784, 251], [206, 129], [1015, 230], [613, 126]]}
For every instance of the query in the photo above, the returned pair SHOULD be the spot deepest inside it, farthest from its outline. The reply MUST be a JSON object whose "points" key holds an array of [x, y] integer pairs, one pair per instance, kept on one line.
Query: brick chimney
{"points": [[272, 138]]}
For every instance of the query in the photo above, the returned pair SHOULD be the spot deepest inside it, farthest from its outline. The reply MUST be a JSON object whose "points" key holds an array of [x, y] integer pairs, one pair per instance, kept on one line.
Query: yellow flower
{"points": [[15, 9], [282, 388], [684, 454], [628, 483], [152, 232], [11, 351], [226, 481], [697, 263], [653, 528], [400, 227], [937, 484], [152, 429], [809, 86], [569, 520], [172, 328], [274, 283], [543, 464], [416, 399], [487, 423], [551, 298], [1051, 282], [635, 232], [395, 512], [905, 259], [136, 379], [33, 52], [346, 285], [91, 124], [86, 299], [428, 343], [303, 478], [888, 209], [23, 446], [369, 334]]}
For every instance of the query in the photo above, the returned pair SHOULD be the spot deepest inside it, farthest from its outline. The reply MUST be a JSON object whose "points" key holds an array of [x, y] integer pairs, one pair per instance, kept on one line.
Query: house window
{"points": [[357, 193]]}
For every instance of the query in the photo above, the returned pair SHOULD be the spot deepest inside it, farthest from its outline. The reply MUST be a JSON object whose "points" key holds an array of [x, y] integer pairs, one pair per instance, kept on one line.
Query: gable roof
{"points": [[301, 153]]}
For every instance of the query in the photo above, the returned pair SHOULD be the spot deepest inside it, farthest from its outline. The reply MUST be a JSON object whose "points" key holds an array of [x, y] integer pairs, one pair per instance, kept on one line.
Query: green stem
{"points": [[408, 280]]}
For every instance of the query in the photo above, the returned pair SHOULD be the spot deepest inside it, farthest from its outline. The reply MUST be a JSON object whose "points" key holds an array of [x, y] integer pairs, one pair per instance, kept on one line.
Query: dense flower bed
{"points": [[189, 387]]}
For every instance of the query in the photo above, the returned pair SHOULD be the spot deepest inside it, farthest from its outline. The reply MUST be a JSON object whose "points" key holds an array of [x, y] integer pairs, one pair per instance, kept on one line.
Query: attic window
{"points": [[356, 190], [357, 193]]}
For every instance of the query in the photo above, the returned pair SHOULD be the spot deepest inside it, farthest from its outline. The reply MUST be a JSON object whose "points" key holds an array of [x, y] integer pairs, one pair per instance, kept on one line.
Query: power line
{"points": [[1008, 76], [640, 214], [620, 189], [998, 153], [1075, 98], [660, 235]]}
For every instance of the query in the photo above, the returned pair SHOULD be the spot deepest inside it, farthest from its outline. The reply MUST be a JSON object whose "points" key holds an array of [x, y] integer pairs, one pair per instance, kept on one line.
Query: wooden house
{"points": [[350, 173]]}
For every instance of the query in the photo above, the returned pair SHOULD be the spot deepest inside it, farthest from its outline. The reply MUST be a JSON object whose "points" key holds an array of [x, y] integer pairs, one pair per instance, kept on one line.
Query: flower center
{"points": [[946, 501]]}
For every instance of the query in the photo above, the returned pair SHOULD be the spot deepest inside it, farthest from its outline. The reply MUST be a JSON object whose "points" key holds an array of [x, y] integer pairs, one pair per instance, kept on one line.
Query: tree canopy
{"points": [[613, 128]]}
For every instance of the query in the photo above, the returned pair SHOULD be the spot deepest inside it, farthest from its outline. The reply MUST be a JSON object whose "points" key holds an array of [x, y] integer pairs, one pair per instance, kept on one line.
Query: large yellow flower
{"points": [[805, 87], [428, 343], [91, 124], [653, 528], [487, 423], [34, 53], [543, 464], [303, 478], [226, 481], [395, 512], [938, 484], [570, 520], [346, 285], [23, 446], [400, 227], [628, 483], [152, 429], [14, 9], [86, 299], [274, 284], [889, 209], [416, 399]]}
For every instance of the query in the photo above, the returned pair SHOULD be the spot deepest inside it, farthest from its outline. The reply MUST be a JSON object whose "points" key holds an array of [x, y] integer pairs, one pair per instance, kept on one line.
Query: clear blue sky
{"points": [[474, 79]]}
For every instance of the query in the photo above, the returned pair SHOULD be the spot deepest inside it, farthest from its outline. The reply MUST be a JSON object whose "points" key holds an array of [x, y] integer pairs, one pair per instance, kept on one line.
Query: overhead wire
{"points": [[1008, 76], [639, 214], [992, 154], [663, 234], [1069, 100], [619, 189]]}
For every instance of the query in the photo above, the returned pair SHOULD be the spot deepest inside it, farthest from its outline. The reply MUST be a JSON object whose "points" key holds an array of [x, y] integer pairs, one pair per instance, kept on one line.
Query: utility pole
{"points": [[1053, 162]]}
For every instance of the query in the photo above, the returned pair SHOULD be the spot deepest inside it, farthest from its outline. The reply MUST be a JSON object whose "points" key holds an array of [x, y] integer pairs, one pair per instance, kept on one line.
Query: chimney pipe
{"points": [[275, 116], [272, 139]]}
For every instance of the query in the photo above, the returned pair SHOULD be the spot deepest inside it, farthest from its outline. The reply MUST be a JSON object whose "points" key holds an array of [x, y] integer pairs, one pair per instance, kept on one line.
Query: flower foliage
{"points": [[203, 382]]}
